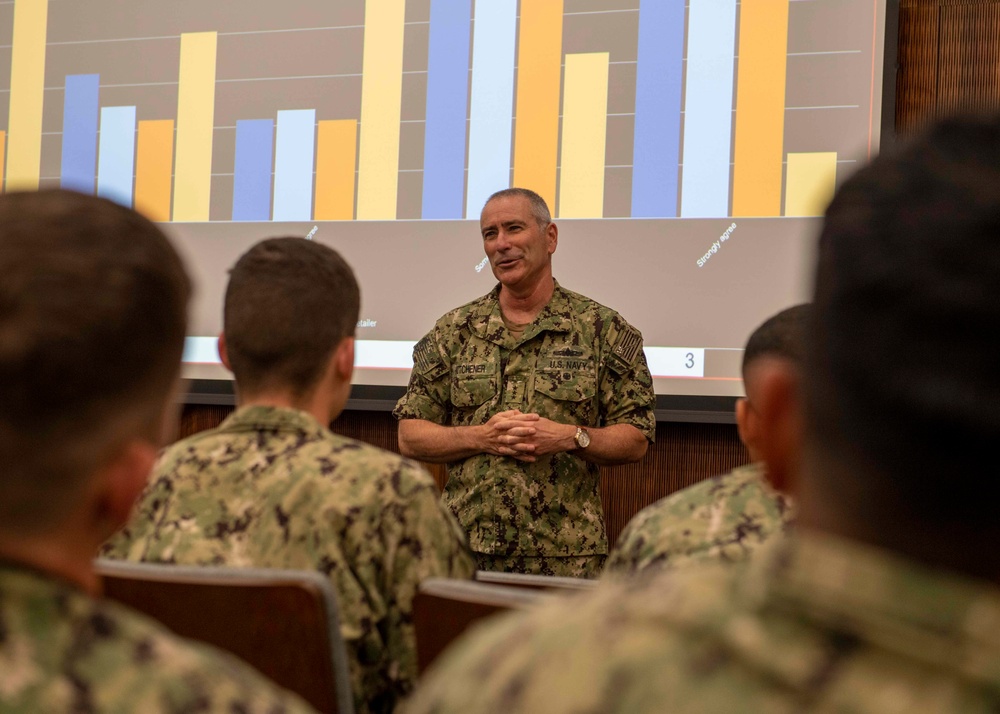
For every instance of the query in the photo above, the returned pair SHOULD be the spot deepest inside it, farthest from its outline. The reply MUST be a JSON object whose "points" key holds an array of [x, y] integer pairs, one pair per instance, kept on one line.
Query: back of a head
{"points": [[289, 303], [782, 335], [93, 308], [902, 381]]}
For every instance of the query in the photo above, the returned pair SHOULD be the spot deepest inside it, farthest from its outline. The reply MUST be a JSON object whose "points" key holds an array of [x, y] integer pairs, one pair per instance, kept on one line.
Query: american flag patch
{"points": [[424, 355], [627, 345]]}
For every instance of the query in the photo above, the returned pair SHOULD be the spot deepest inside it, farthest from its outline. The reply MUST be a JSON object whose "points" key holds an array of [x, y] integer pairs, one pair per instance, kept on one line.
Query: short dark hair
{"points": [[93, 302], [289, 303], [903, 382], [539, 208], [781, 335]]}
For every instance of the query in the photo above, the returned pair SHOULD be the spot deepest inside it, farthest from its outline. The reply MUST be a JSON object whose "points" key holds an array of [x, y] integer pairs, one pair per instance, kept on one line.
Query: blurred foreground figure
{"points": [[92, 319], [730, 516], [884, 597]]}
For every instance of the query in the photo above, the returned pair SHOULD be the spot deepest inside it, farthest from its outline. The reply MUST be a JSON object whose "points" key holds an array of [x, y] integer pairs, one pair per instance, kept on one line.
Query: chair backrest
{"points": [[534, 582], [282, 622], [444, 608]]}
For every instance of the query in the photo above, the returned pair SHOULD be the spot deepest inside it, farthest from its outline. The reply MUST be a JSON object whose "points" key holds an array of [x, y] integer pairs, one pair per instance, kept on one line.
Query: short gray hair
{"points": [[539, 209]]}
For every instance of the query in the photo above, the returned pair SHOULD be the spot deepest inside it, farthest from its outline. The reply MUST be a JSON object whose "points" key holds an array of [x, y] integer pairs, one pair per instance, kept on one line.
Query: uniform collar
{"points": [[256, 418], [486, 320]]}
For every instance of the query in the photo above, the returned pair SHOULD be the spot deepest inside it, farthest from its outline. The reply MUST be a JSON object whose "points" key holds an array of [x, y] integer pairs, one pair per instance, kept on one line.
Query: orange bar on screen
{"points": [[154, 168], [760, 108], [536, 131], [336, 160]]}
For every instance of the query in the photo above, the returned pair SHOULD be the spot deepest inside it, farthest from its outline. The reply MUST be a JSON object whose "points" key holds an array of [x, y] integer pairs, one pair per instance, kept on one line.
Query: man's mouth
{"points": [[506, 262]]}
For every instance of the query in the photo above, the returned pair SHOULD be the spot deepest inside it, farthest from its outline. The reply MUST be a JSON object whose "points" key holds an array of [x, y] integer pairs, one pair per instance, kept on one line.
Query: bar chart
{"points": [[419, 109]]}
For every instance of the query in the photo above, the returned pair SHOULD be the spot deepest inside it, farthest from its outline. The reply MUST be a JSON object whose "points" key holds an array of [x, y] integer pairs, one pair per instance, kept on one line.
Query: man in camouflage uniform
{"points": [[525, 393], [884, 597], [92, 321], [273, 487], [727, 517]]}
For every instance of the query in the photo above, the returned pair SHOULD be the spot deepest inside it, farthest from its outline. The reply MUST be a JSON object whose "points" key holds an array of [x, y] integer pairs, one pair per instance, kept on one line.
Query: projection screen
{"points": [[686, 149]]}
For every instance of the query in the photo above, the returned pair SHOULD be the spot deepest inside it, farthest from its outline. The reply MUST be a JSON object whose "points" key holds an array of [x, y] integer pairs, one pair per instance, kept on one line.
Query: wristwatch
{"points": [[582, 438]]}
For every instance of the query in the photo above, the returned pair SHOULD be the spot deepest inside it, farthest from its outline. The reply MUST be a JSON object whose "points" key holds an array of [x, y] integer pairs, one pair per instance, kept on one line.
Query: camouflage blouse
{"points": [[272, 488], [724, 518], [810, 624], [577, 363]]}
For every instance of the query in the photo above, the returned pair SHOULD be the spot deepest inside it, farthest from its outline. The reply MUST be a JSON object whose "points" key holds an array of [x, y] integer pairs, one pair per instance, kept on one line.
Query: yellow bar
{"points": [[27, 87], [381, 98], [584, 133], [3, 143], [812, 179], [195, 123], [336, 157], [154, 169], [760, 108], [539, 63]]}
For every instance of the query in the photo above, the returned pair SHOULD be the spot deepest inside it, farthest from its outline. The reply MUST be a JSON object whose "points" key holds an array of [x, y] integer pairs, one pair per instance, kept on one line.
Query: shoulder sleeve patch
{"points": [[427, 360], [627, 346]]}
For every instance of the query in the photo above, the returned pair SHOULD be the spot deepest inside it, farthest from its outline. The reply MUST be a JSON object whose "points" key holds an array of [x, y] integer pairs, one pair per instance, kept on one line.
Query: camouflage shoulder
{"points": [[624, 637], [407, 474], [459, 317], [624, 344]]}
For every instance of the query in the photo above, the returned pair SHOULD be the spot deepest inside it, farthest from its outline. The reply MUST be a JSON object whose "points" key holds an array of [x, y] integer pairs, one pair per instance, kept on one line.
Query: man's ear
{"points": [[122, 480], [746, 427], [224, 351], [344, 359], [780, 424], [552, 236]]}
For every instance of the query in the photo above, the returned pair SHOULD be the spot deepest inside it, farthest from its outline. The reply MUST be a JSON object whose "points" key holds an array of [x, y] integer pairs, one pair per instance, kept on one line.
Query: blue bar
{"points": [[79, 148], [252, 172], [293, 165], [116, 154], [658, 83], [447, 102], [491, 117], [708, 113]]}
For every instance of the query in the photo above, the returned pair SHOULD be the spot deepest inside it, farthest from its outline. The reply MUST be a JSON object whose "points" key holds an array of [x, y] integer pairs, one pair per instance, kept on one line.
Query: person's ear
{"points": [[344, 359], [224, 351], [747, 427], [121, 481], [552, 236], [779, 419]]}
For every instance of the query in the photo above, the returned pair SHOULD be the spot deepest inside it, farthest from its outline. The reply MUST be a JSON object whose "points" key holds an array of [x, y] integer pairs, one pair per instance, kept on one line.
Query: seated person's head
{"points": [[778, 343], [93, 306], [902, 382], [291, 309]]}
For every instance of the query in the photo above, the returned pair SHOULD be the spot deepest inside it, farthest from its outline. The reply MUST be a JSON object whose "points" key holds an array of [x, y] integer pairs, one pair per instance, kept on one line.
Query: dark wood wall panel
{"points": [[948, 60]]}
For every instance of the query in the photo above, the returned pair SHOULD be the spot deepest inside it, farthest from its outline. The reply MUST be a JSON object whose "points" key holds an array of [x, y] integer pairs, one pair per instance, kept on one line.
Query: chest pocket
{"points": [[472, 391], [566, 386]]}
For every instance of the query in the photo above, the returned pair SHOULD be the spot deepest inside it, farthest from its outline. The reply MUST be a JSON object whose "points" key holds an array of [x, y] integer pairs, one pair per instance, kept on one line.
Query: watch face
{"points": [[583, 438]]}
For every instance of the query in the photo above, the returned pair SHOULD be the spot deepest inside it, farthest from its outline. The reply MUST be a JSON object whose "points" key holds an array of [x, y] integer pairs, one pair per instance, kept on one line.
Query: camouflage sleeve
{"points": [[428, 394], [422, 540], [626, 387], [634, 547]]}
